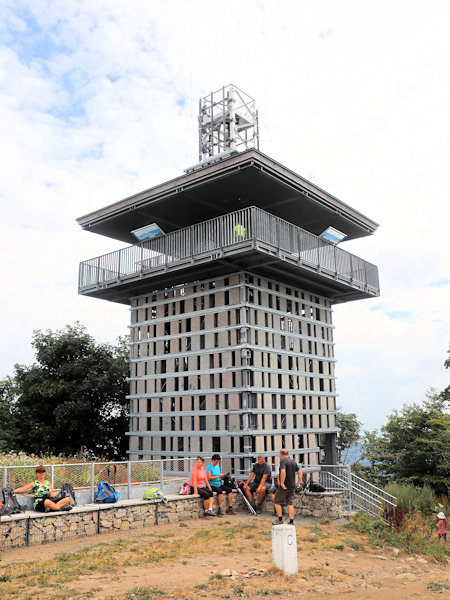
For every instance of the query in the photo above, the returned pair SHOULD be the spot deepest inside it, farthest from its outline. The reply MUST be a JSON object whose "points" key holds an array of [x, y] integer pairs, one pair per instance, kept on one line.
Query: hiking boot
{"points": [[258, 509], [67, 507], [277, 521], [207, 514], [220, 512], [231, 511], [211, 513]]}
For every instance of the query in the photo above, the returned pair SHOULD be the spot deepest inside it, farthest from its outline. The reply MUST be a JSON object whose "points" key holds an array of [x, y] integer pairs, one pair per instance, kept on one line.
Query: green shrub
{"points": [[418, 534], [410, 496]]}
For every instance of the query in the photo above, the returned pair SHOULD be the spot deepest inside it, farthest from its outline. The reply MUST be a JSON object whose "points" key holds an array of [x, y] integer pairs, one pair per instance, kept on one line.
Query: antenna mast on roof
{"points": [[227, 122]]}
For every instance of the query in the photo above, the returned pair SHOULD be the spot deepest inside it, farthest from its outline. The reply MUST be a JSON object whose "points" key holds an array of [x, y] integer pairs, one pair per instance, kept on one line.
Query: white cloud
{"points": [[99, 100]]}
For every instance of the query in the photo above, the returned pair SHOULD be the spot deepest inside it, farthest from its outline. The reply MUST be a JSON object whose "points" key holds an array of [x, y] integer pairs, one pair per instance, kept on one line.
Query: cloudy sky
{"points": [[99, 98]]}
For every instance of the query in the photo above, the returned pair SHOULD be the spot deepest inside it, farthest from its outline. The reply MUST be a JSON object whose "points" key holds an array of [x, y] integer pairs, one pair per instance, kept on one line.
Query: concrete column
{"points": [[284, 548]]}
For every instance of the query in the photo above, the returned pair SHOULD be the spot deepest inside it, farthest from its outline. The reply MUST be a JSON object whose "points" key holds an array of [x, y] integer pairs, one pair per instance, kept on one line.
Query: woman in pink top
{"points": [[200, 485], [442, 532]]}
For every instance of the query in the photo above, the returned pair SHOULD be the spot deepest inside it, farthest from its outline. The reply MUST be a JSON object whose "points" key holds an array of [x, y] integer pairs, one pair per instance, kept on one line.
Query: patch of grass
{"points": [[315, 572], [412, 497], [417, 536], [339, 547], [434, 586], [239, 591], [201, 533], [215, 576], [354, 544], [144, 593], [201, 586]]}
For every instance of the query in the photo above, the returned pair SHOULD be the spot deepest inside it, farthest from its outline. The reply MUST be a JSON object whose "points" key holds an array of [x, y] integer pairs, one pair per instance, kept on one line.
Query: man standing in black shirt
{"points": [[285, 492]]}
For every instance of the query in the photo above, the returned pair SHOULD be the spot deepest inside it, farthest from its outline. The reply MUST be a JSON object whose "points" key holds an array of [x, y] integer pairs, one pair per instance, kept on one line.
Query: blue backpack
{"points": [[106, 493]]}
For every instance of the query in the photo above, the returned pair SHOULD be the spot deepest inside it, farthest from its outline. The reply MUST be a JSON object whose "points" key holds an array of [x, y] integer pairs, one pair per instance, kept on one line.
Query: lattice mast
{"points": [[228, 122]]}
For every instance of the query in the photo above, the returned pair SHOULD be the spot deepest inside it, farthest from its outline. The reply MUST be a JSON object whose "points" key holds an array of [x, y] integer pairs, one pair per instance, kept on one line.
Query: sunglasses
{"points": [[40, 470]]}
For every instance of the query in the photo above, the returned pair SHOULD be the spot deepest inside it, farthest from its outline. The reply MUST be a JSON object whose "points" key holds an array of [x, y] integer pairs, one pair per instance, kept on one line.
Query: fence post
{"points": [[52, 475], [349, 486], [5, 477], [92, 483], [128, 478], [161, 474]]}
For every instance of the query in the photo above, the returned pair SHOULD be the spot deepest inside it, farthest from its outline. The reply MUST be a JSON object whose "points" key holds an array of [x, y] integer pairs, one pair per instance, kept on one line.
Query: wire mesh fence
{"points": [[85, 476]]}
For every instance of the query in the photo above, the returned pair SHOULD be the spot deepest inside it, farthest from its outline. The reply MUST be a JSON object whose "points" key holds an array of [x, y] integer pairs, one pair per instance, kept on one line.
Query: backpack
{"points": [[184, 490], [11, 505], [105, 493], [316, 487], [154, 493], [67, 491]]}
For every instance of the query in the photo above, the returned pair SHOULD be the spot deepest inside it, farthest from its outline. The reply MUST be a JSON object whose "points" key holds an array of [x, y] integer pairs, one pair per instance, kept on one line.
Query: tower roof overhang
{"points": [[245, 179]]}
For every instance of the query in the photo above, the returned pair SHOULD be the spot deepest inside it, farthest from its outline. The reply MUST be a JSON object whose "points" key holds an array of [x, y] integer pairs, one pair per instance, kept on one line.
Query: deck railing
{"points": [[239, 231]]}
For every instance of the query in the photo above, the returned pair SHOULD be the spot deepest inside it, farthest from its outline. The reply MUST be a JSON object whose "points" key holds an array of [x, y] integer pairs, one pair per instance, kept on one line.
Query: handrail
{"points": [[358, 493], [235, 231]]}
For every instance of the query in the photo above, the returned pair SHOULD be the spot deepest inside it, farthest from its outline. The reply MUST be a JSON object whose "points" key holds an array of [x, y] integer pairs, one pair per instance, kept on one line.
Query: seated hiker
{"points": [[259, 481], [200, 485], [44, 494], [214, 477]]}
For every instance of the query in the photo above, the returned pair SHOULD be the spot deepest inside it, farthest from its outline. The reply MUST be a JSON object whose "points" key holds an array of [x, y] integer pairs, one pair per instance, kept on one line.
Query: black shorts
{"points": [[222, 489], [204, 492], [253, 486], [40, 506], [283, 496]]}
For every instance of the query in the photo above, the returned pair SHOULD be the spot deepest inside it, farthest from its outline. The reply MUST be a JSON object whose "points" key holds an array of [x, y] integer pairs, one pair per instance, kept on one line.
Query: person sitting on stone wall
{"points": [[44, 494], [200, 485], [214, 477], [259, 481]]}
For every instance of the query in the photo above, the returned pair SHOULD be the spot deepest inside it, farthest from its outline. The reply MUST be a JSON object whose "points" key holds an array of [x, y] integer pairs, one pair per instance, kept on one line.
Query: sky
{"points": [[99, 100]]}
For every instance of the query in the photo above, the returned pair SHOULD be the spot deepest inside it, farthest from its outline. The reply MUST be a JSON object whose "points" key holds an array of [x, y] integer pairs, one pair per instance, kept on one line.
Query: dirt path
{"points": [[332, 563]]}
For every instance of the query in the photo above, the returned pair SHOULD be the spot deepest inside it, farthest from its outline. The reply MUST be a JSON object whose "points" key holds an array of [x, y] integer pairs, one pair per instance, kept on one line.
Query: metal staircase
{"points": [[358, 493]]}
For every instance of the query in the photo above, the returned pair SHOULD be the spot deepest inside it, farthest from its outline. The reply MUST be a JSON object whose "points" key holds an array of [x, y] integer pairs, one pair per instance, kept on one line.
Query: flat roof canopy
{"points": [[249, 178]]}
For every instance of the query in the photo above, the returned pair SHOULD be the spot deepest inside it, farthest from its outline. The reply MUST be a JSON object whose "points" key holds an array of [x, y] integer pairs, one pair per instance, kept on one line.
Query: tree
{"points": [[349, 434], [413, 447], [6, 418], [73, 397]]}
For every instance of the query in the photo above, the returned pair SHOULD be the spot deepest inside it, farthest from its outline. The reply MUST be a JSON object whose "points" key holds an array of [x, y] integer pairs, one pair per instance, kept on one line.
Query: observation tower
{"points": [[231, 271]]}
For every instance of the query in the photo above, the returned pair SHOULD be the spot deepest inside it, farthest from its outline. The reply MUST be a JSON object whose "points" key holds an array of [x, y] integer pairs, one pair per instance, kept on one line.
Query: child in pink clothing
{"points": [[442, 531]]}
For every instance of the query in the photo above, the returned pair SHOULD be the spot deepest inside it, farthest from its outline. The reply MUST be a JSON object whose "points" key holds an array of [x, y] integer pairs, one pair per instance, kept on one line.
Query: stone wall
{"points": [[320, 504], [36, 528]]}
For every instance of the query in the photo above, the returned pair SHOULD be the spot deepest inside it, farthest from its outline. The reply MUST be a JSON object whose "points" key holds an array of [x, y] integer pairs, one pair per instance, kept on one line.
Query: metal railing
{"points": [[247, 228], [359, 494]]}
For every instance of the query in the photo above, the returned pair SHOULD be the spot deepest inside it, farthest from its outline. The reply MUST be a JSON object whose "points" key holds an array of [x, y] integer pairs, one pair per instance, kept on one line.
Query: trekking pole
{"points": [[244, 497]]}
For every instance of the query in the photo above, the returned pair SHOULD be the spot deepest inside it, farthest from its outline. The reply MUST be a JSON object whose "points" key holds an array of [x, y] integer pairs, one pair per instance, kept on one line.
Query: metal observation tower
{"points": [[231, 271]]}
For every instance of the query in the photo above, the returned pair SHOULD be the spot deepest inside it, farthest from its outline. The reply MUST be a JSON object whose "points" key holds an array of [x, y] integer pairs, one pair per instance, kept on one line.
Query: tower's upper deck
{"points": [[238, 181]]}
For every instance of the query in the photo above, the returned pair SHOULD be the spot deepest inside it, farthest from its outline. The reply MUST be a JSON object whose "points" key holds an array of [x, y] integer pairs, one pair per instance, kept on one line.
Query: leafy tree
{"points": [[413, 447], [349, 434], [6, 418], [73, 397]]}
